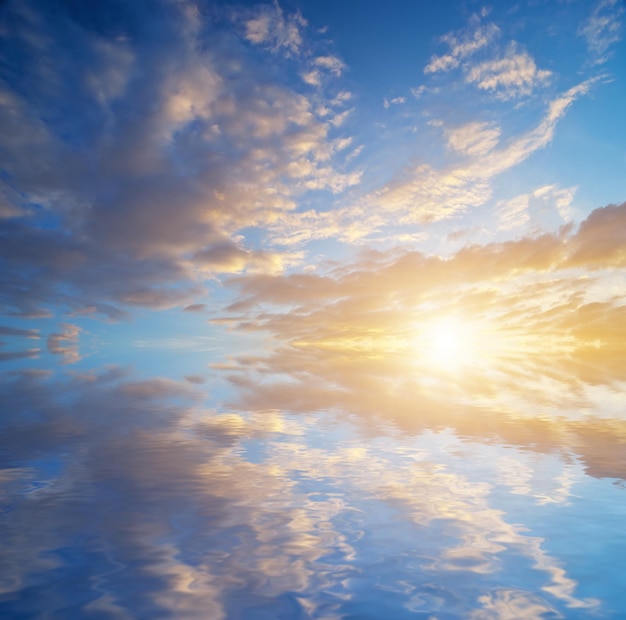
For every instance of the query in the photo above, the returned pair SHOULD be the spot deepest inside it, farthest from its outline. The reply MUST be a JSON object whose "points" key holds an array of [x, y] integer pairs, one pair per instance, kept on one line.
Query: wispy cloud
{"points": [[21, 352], [195, 308], [426, 194], [9, 356], [16, 331], [463, 45], [515, 212], [513, 75], [508, 74], [269, 26], [603, 29], [423, 194], [474, 139], [387, 103]]}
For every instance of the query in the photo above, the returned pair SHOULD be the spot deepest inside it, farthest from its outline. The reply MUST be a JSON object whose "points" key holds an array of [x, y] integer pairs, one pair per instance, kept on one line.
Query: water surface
{"points": [[131, 496]]}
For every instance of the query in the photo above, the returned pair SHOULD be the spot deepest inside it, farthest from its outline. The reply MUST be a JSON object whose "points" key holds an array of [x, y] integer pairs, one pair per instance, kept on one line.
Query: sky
{"points": [[290, 290], [164, 155], [324, 205], [288, 192]]}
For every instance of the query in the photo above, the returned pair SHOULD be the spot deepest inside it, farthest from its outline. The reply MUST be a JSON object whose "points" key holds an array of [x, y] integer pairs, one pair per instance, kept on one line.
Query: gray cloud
{"points": [[9, 356], [135, 151], [21, 353], [65, 343], [15, 331]]}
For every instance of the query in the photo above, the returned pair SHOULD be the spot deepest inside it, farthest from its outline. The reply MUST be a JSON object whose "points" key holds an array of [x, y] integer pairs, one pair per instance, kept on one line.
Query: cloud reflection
{"points": [[160, 497], [155, 503]]}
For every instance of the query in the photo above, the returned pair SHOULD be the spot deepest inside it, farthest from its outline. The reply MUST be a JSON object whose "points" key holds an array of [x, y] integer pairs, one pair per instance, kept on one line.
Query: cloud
{"points": [[602, 29], [195, 379], [229, 257], [513, 213], [511, 76], [395, 101], [476, 139], [330, 63], [134, 187], [562, 198], [530, 303], [601, 239], [422, 194], [9, 356], [462, 45], [269, 26], [14, 331], [32, 334], [516, 211], [65, 343], [425, 194]]}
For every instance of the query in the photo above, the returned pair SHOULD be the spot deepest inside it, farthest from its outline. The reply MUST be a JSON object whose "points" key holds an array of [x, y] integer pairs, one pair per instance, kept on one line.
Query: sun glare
{"points": [[449, 343]]}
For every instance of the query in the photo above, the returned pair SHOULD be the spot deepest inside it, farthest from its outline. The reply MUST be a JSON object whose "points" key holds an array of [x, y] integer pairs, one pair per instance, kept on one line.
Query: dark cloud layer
{"points": [[137, 141]]}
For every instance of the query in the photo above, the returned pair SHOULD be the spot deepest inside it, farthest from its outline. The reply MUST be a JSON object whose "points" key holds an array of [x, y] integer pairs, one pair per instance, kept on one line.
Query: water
{"points": [[126, 496]]}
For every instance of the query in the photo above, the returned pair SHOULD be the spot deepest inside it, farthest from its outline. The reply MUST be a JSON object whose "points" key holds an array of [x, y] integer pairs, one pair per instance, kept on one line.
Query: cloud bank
{"points": [[139, 141]]}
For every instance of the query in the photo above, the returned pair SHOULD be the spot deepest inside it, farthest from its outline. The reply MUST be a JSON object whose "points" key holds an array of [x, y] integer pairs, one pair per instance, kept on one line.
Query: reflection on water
{"points": [[312, 493]]}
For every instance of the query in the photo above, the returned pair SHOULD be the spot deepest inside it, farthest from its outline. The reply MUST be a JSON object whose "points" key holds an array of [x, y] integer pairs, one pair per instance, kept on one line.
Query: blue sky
{"points": [[165, 156]]}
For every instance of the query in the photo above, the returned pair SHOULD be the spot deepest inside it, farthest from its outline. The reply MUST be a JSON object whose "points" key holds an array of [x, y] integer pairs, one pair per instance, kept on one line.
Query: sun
{"points": [[449, 343]]}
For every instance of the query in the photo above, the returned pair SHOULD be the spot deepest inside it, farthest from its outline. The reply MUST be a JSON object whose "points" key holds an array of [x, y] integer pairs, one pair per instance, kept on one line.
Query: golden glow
{"points": [[449, 343]]}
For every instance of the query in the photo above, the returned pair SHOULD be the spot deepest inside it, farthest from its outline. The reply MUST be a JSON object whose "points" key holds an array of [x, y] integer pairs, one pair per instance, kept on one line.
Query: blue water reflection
{"points": [[126, 497]]}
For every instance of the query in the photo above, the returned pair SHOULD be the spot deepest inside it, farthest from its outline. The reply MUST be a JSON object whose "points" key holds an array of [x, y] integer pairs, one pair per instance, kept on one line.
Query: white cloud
{"points": [[513, 75], [508, 75], [424, 194], [473, 138], [419, 91], [513, 213], [542, 202], [342, 97], [395, 101], [342, 143], [462, 46], [312, 78], [340, 118], [561, 197], [603, 28], [331, 63]]}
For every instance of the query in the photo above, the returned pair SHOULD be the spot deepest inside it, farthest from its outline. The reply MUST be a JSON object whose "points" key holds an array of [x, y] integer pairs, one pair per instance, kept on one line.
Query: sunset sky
{"points": [[351, 170]]}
